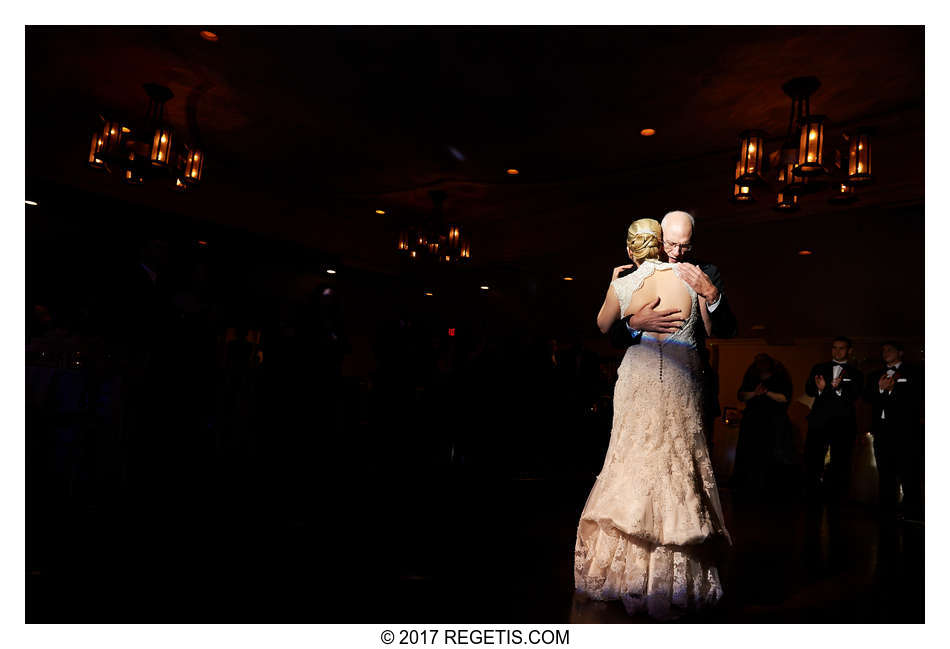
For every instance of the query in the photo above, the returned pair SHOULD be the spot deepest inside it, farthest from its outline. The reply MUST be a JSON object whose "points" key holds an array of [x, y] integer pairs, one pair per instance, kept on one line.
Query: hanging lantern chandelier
{"points": [[147, 149], [806, 163], [433, 239]]}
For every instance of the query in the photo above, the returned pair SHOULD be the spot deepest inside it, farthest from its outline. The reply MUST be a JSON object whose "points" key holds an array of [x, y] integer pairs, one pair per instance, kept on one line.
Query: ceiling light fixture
{"points": [[804, 253], [380, 211], [484, 288], [330, 271], [513, 172], [33, 203], [147, 148], [805, 162], [647, 132], [568, 279], [209, 36], [442, 242]]}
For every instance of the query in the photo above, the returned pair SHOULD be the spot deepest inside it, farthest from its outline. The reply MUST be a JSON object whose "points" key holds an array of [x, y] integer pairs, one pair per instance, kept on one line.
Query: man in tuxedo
{"points": [[835, 386], [704, 278], [895, 392]]}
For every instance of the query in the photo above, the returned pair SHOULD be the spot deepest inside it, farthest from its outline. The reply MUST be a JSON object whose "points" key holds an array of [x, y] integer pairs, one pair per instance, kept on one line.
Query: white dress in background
{"points": [[646, 533]]}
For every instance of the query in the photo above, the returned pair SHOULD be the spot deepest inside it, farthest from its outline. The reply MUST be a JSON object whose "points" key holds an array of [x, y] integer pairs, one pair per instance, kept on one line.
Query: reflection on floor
{"points": [[443, 548]]}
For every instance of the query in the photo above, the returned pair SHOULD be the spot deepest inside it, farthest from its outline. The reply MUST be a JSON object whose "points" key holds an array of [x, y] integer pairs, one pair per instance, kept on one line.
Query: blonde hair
{"points": [[644, 239]]}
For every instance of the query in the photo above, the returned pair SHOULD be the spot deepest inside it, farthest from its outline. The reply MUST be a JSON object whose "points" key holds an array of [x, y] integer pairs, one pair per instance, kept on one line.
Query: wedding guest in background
{"points": [[835, 386], [765, 449], [895, 393]]}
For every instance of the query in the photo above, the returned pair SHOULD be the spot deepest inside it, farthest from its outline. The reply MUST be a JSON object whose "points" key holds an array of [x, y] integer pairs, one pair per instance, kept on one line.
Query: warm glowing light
{"points": [[429, 294], [330, 271], [568, 279], [202, 243], [112, 132], [751, 148], [163, 138], [209, 36], [513, 172], [126, 129], [380, 211], [860, 168], [743, 190], [861, 147], [484, 288], [812, 135], [447, 258], [33, 203], [452, 331], [413, 253], [647, 132], [804, 253]]}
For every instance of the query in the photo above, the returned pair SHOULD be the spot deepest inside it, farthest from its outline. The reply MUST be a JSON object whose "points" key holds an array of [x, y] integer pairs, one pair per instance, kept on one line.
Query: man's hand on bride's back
{"points": [[662, 321]]}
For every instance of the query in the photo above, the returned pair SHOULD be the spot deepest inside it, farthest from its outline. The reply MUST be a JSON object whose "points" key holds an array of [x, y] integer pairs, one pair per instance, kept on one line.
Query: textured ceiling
{"points": [[309, 130]]}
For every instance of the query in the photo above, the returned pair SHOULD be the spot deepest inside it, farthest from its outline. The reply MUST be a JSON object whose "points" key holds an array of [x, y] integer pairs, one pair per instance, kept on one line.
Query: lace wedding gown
{"points": [[648, 530]]}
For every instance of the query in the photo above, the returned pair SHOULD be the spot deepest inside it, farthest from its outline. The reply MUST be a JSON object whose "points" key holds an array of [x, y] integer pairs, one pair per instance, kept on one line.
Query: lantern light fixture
{"points": [[859, 157], [786, 202], [811, 146], [751, 147], [741, 193]]}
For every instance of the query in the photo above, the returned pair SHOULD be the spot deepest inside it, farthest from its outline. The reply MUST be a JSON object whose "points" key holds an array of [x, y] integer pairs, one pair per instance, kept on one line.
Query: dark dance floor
{"points": [[450, 547]]}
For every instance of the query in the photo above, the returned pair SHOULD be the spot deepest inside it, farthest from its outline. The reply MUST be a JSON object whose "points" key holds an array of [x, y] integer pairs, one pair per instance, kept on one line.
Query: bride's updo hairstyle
{"points": [[644, 240]]}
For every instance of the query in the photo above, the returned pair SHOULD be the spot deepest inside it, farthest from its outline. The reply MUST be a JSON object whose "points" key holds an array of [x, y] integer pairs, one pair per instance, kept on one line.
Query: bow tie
{"points": [[840, 362], [892, 367]]}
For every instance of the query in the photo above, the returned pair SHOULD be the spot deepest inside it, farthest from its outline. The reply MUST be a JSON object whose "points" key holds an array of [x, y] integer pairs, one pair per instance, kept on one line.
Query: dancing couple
{"points": [[652, 527]]}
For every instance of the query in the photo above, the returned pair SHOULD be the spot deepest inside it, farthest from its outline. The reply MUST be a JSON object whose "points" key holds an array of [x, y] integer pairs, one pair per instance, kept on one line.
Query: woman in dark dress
{"points": [[765, 448]]}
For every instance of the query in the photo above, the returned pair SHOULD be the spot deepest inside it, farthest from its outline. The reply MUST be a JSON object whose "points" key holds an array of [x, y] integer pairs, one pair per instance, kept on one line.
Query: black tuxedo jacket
{"points": [[723, 325], [902, 405], [829, 404]]}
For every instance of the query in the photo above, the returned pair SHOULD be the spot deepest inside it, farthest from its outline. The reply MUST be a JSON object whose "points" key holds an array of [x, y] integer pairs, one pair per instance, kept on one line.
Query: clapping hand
{"points": [[820, 383], [760, 390], [886, 382]]}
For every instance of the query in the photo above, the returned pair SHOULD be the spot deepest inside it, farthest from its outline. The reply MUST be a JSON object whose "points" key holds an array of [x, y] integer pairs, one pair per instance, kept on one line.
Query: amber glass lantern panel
{"points": [[750, 157], [810, 145], [740, 192], [786, 201], [859, 162], [104, 141], [404, 241], [453, 237], [161, 147], [194, 164]]}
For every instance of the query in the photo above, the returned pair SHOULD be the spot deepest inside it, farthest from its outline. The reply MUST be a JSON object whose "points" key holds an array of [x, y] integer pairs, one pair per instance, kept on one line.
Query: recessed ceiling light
{"points": [[330, 271], [484, 288], [804, 253], [429, 294], [33, 203], [513, 172], [380, 211], [568, 279], [209, 36], [647, 132]]}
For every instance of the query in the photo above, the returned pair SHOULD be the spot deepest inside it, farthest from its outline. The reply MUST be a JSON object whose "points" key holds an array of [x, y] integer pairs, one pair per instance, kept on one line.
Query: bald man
{"points": [[704, 278]]}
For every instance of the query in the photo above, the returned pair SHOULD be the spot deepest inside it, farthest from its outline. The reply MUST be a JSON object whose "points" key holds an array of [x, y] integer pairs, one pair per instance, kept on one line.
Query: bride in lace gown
{"points": [[651, 524]]}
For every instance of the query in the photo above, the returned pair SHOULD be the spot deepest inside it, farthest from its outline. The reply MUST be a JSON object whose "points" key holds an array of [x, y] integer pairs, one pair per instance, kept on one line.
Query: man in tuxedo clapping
{"points": [[835, 386], [895, 393]]}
